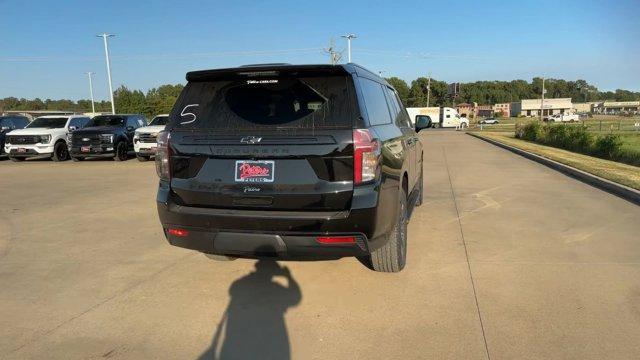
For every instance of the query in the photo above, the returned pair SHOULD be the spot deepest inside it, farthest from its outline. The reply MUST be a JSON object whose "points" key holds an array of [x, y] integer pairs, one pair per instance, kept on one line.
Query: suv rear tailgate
{"points": [[312, 172]]}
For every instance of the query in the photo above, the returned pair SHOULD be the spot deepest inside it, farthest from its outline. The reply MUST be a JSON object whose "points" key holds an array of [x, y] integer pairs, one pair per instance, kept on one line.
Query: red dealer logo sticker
{"points": [[254, 171]]}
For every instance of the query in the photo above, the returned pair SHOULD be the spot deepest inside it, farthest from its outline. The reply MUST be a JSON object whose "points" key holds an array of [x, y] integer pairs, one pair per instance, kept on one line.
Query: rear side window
{"points": [[375, 102], [270, 104]]}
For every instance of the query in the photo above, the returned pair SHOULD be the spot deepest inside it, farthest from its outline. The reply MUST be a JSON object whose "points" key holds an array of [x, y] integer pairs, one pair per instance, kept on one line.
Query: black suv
{"points": [[290, 162], [106, 136], [8, 123]]}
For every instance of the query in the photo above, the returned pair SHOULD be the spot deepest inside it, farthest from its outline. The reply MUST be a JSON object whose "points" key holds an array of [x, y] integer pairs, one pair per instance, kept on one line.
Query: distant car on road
{"points": [[10, 123], [45, 136], [144, 140], [106, 136], [489, 121]]}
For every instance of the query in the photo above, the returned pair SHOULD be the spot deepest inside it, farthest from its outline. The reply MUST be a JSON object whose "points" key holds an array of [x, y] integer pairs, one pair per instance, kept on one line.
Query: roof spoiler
{"points": [[265, 70]]}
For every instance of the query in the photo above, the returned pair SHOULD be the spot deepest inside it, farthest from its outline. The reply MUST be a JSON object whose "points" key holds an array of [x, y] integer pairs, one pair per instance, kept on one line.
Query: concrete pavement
{"points": [[507, 259]]}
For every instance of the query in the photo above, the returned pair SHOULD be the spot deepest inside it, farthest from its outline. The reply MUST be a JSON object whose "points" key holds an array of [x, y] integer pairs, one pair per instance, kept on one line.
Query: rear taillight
{"points": [[163, 156], [178, 232], [366, 156]]}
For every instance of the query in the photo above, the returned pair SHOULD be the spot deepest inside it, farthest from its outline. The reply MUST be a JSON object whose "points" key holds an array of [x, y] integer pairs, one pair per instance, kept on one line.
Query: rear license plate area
{"points": [[85, 149], [256, 171]]}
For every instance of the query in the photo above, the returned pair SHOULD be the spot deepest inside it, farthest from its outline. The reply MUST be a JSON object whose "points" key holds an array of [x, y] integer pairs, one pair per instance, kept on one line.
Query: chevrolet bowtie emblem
{"points": [[250, 140]]}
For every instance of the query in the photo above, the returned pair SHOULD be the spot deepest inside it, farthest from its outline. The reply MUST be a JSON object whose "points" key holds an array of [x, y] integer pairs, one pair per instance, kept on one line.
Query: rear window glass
{"points": [[269, 103]]}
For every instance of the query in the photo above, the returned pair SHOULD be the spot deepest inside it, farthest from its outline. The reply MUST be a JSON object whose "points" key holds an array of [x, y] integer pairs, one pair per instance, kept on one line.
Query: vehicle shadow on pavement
{"points": [[253, 325]]}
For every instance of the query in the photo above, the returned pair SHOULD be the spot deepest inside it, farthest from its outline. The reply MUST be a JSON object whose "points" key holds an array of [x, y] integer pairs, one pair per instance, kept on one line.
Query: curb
{"points": [[622, 191]]}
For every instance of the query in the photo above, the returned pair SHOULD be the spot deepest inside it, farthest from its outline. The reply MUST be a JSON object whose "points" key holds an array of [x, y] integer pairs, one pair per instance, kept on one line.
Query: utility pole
{"points": [[349, 37], [428, 90], [334, 56], [542, 101], [106, 54], [93, 106]]}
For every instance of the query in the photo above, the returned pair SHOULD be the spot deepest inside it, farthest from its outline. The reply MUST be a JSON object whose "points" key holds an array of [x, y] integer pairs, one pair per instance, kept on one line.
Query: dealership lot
{"points": [[507, 259]]}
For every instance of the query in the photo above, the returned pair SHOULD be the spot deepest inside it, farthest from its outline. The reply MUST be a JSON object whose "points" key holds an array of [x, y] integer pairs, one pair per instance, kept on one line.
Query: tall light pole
{"points": [[106, 54], [542, 101], [93, 106], [428, 90], [349, 37]]}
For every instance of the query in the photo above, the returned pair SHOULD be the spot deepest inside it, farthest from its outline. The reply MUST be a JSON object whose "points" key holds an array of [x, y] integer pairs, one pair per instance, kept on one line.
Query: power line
{"points": [[160, 56]]}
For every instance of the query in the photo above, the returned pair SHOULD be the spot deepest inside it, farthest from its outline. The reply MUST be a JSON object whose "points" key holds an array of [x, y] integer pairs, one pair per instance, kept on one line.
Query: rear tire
{"points": [[16, 159], [142, 158], [60, 152], [121, 152], [393, 255]]}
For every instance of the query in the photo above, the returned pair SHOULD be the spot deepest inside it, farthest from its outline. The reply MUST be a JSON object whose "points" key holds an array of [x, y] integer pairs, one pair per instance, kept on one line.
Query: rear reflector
{"points": [[336, 239], [178, 232]]}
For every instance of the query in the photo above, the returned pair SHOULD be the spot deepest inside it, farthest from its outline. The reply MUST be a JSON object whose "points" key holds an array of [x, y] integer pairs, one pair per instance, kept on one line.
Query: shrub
{"points": [[558, 136], [608, 146], [577, 138], [580, 139], [531, 131]]}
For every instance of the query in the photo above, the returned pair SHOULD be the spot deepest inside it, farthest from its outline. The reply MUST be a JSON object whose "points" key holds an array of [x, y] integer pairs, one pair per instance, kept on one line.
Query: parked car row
{"points": [[78, 137]]}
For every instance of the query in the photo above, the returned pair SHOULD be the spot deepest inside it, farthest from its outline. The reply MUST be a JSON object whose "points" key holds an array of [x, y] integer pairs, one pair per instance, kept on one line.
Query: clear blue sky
{"points": [[45, 46]]}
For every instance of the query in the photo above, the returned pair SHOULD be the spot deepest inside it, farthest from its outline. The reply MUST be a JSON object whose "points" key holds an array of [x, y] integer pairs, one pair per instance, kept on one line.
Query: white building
{"points": [[533, 107], [617, 107]]}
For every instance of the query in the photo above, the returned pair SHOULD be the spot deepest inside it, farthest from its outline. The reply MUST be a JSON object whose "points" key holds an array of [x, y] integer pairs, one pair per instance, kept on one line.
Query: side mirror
{"points": [[73, 128], [5, 128], [130, 128]]}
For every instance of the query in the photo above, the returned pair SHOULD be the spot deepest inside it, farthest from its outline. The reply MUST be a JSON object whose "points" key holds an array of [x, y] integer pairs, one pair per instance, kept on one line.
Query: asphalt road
{"points": [[507, 260]]}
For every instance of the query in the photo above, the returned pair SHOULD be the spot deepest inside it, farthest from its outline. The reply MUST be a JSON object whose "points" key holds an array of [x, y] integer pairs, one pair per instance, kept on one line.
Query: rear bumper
{"points": [[264, 233], [261, 245]]}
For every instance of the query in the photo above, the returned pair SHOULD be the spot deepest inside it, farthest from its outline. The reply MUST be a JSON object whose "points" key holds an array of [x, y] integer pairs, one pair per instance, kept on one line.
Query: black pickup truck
{"points": [[106, 136], [290, 162]]}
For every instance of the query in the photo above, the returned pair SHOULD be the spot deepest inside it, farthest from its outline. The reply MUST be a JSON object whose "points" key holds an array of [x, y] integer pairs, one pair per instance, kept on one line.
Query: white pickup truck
{"points": [[46, 136], [563, 118], [144, 139]]}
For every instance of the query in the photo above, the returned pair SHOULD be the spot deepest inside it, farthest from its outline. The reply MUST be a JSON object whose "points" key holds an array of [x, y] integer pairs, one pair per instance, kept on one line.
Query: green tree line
{"points": [[492, 92], [161, 99], [158, 100]]}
